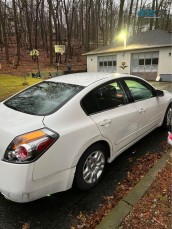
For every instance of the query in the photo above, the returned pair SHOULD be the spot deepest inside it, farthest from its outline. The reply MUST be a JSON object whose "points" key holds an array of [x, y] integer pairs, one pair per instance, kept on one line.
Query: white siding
{"points": [[92, 63], [123, 57], [165, 61]]}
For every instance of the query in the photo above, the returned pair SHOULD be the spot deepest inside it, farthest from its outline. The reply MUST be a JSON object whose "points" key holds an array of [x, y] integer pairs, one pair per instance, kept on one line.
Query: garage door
{"points": [[107, 64], [145, 64]]}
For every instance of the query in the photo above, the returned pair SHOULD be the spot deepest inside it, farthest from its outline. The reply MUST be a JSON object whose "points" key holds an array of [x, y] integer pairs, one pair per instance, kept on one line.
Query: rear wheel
{"points": [[91, 167], [167, 123]]}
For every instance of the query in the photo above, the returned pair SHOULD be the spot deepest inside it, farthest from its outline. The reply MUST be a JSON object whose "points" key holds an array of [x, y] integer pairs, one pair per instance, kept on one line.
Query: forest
{"points": [[80, 25]]}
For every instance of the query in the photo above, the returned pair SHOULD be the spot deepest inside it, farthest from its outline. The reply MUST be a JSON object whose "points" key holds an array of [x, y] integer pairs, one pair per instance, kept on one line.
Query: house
{"points": [[147, 54]]}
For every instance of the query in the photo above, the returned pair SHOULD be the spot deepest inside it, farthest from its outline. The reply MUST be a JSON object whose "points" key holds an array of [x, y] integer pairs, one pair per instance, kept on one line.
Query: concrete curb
{"points": [[124, 206]]}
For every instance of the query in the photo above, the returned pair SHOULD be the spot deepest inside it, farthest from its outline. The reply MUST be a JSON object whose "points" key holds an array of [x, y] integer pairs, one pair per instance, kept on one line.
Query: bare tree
{"points": [[130, 13], [38, 2], [152, 19], [28, 19], [159, 5], [50, 31], [17, 33], [75, 23], [135, 17], [120, 18], [3, 27], [69, 8]]}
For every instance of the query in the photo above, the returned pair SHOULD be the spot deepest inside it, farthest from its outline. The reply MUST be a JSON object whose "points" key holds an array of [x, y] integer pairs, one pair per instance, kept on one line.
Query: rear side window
{"points": [[103, 98], [43, 98]]}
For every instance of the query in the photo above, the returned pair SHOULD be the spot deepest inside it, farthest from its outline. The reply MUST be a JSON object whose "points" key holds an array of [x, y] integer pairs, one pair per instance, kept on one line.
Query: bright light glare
{"points": [[123, 35]]}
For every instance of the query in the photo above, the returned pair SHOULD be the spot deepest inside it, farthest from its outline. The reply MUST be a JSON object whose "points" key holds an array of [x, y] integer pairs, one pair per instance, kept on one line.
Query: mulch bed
{"points": [[154, 210]]}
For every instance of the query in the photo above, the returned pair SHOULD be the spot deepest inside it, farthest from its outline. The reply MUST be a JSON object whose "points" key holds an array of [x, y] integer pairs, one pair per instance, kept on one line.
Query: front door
{"points": [[148, 106]]}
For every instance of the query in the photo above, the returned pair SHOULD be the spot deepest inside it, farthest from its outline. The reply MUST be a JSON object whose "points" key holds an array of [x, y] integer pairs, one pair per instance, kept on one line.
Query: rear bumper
{"points": [[16, 182]]}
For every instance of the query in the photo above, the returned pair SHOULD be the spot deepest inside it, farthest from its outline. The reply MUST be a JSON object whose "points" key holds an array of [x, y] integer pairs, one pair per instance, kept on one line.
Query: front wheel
{"points": [[90, 167], [167, 123]]}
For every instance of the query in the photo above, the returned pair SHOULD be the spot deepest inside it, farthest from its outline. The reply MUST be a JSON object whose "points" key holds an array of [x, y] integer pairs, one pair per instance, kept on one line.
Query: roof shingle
{"points": [[143, 40]]}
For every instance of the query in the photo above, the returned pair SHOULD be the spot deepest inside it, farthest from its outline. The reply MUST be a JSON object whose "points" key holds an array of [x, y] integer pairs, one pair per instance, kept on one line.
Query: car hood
{"points": [[14, 123]]}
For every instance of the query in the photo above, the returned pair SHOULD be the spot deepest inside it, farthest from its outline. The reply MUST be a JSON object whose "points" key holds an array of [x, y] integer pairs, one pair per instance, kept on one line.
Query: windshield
{"points": [[43, 98]]}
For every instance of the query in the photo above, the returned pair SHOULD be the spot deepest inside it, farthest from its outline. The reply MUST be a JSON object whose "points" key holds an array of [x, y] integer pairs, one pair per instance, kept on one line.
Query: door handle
{"points": [[106, 122], [142, 110]]}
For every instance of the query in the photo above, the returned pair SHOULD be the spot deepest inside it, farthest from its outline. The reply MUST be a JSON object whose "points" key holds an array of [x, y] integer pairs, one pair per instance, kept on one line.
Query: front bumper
{"points": [[16, 182]]}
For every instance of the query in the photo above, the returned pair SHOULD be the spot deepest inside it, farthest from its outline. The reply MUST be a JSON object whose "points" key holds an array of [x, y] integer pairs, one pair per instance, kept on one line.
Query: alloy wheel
{"points": [[169, 117], [93, 167]]}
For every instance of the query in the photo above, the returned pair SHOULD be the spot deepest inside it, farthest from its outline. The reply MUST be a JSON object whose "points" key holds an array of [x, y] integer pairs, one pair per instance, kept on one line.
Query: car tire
{"points": [[91, 167], [167, 123]]}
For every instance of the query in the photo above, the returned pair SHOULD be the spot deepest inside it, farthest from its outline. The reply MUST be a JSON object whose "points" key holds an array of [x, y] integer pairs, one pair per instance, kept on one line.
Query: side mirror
{"points": [[159, 93]]}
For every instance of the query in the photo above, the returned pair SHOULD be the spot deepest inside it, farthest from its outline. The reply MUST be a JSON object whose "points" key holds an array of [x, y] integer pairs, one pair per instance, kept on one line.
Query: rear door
{"points": [[116, 119]]}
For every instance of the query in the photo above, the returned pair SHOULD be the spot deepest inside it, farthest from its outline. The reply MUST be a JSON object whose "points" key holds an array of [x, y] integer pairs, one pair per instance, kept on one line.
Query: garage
{"points": [[147, 54]]}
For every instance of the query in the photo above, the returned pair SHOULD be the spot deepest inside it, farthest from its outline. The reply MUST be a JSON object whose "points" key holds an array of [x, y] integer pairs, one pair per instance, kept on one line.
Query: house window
{"points": [[107, 63], [145, 62], [114, 63], [141, 62], [155, 61], [101, 63]]}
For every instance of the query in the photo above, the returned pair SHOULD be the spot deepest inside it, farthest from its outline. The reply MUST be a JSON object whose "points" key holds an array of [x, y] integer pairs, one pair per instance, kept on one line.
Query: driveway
{"points": [[162, 85]]}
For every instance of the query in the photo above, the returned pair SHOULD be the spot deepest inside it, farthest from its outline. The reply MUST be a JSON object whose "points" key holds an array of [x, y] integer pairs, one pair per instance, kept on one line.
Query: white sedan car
{"points": [[63, 131]]}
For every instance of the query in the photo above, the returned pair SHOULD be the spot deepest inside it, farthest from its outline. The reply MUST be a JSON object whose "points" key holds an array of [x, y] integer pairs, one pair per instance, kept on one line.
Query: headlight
{"points": [[30, 146]]}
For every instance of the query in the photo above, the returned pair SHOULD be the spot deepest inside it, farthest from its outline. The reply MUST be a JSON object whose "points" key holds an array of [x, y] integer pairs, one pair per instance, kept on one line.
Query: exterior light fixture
{"points": [[123, 36]]}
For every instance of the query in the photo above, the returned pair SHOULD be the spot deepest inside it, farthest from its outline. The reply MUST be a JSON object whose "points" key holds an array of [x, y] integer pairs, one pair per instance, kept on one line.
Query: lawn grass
{"points": [[10, 84]]}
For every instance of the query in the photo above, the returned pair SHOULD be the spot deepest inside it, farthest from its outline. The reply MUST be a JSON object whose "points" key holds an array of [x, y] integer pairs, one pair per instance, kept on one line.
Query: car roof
{"points": [[86, 78]]}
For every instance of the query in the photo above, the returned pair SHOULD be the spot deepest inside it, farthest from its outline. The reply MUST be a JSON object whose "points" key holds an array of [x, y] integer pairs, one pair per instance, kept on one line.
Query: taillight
{"points": [[28, 147]]}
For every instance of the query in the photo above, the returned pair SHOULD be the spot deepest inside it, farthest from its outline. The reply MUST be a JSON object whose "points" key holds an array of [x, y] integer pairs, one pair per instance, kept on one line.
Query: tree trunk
{"points": [[4, 34], [152, 19], [158, 7], [135, 18], [120, 19], [129, 15], [28, 25], [17, 32], [50, 32], [69, 12], [36, 23]]}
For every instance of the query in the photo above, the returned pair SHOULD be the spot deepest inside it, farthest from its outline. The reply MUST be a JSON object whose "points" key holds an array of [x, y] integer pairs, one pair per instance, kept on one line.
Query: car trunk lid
{"points": [[14, 123]]}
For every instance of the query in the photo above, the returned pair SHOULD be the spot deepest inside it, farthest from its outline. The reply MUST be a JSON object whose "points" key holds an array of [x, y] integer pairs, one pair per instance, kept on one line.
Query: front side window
{"points": [[106, 97], [139, 90], [43, 98]]}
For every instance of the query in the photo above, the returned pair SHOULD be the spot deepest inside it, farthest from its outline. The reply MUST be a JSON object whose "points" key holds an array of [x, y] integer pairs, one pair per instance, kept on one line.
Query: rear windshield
{"points": [[43, 98]]}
